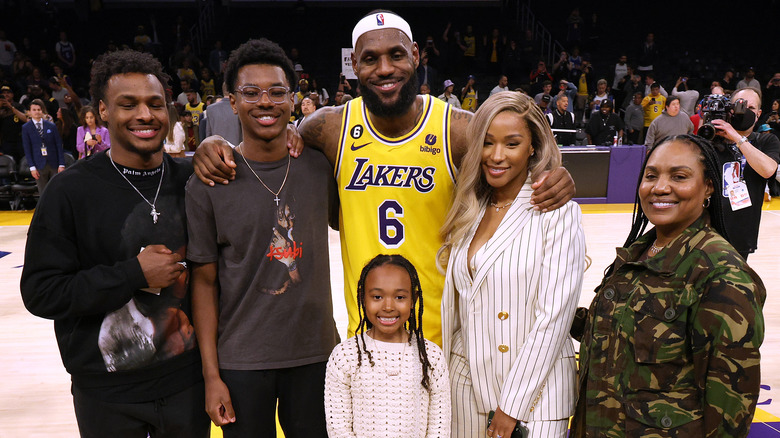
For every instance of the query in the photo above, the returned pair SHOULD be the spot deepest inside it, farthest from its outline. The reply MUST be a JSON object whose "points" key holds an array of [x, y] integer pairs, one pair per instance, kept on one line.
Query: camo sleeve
{"points": [[726, 335]]}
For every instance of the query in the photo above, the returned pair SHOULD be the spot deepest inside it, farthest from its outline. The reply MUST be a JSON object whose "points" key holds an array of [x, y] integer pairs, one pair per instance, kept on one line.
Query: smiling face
{"points": [[506, 152], [673, 188], [388, 302], [262, 121], [134, 107], [385, 63]]}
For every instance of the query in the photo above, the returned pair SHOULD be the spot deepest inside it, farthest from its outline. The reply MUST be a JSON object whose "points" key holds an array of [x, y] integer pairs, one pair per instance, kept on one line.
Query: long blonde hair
{"points": [[472, 191]]}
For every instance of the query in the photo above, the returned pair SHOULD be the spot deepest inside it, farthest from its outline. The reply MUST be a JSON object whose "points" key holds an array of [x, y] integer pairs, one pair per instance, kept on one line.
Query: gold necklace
{"points": [[276, 195], [501, 207]]}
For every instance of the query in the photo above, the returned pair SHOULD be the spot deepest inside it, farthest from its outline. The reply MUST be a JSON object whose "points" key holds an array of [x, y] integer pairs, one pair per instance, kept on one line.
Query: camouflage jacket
{"points": [[670, 347]]}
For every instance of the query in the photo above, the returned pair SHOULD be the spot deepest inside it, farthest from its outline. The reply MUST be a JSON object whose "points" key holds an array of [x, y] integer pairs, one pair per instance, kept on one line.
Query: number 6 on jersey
{"points": [[391, 230]]}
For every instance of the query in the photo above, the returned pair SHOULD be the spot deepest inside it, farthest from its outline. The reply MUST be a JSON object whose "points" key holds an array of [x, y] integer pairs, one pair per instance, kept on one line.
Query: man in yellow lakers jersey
{"points": [[394, 155]]}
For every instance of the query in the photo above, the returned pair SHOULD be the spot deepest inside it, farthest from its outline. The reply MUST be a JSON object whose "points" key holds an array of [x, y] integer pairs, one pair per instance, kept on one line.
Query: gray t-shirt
{"points": [[275, 308]]}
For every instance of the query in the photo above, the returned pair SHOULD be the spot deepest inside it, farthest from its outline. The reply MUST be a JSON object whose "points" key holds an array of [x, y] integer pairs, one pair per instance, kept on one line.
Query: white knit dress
{"points": [[387, 399]]}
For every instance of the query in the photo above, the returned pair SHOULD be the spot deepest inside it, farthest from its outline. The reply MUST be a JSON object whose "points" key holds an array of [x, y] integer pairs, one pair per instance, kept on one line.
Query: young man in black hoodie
{"points": [[104, 261]]}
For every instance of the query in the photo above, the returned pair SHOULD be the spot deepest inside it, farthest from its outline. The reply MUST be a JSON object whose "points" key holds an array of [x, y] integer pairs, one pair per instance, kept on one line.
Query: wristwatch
{"points": [[741, 140]]}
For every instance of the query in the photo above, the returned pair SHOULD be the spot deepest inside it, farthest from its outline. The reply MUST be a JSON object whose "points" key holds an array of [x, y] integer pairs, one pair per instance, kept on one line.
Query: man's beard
{"points": [[406, 98]]}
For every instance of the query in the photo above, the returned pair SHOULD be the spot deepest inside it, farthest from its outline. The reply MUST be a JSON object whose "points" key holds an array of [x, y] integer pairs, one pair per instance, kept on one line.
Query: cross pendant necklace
{"points": [[276, 195], [154, 213]]}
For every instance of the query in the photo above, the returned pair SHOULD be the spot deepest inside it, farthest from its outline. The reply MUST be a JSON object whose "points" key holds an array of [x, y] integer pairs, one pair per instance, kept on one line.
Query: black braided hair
{"points": [[709, 160], [414, 324]]}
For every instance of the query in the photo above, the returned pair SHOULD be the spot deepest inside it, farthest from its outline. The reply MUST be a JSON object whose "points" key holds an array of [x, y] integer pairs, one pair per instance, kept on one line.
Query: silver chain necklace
{"points": [[655, 249], [276, 195], [154, 214]]}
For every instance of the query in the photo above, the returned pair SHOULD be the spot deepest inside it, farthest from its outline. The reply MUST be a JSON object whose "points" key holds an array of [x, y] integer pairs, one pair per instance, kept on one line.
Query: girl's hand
{"points": [[502, 425]]}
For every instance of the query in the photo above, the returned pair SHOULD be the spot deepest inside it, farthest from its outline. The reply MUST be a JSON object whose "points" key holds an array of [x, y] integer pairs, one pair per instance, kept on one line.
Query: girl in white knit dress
{"points": [[388, 380]]}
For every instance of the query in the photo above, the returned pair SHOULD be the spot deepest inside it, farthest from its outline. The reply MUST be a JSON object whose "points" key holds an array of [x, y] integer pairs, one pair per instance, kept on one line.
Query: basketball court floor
{"points": [[35, 398]]}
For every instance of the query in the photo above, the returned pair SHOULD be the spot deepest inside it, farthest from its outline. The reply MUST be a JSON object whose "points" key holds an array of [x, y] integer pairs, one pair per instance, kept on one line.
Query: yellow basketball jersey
{"points": [[395, 194]]}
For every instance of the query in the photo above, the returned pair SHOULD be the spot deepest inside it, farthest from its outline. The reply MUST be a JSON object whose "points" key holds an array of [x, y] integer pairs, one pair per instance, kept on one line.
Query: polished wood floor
{"points": [[35, 398]]}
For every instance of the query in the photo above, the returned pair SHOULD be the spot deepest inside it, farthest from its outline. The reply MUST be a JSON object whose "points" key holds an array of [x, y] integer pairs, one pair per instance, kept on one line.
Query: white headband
{"points": [[378, 21]]}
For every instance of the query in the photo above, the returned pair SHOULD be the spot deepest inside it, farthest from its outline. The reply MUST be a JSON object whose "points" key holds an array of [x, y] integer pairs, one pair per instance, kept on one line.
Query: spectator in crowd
{"points": [[503, 85], [671, 122], [652, 105], [426, 73], [574, 23], [12, 118], [649, 81], [223, 121], [173, 144], [430, 51], [57, 92], [585, 88], [468, 95], [562, 68], [630, 88], [468, 45], [604, 127], [771, 118], [568, 89], [65, 51], [648, 55], [217, 58], [749, 81], [207, 84], [447, 96], [194, 107], [620, 71], [544, 104], [191, 132], [141, 39], [513, 64], [42, 146], [728, 82], [754, 156], [185, 71], [546, 89], [7, 55], [634, 120], [91, 136], [670, 344], [66, 126], [771, 92], [688, 98], [307, 108], [493, 47], [182, 98], [321, 94], [424, 89], [303, 90], [538, 76], [601, 96], [561, 118], [22, 69]]}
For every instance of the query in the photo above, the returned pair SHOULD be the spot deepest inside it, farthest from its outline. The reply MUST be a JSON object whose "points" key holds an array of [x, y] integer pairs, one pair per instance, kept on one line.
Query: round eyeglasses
{"points": [[253, 94]]}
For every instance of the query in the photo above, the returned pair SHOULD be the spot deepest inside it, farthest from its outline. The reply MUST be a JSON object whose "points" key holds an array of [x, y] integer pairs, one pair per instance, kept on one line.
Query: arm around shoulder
{"points": [[321, 130]]}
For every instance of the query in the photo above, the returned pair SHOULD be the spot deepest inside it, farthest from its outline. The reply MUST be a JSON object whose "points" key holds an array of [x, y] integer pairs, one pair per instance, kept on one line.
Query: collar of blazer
{"points": [[516, 217]]}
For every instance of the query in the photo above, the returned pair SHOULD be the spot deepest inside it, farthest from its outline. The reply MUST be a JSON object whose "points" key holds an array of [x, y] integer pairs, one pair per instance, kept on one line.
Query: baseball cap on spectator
{"points": [[298, 68], [5, 88], [546, 98], [471, 77], [448, 83]]}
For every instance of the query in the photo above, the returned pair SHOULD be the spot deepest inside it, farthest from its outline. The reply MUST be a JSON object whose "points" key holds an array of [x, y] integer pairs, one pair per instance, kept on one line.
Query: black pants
{"points": [[182, 415], [44, 175], [300, 392]]}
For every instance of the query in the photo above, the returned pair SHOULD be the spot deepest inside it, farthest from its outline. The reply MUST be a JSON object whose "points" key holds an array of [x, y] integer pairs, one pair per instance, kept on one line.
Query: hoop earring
{"points": [[707, 202]]}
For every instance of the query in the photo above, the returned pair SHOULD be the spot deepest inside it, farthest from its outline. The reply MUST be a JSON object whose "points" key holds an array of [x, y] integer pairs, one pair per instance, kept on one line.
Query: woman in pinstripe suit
{"points": [[513, 278]]}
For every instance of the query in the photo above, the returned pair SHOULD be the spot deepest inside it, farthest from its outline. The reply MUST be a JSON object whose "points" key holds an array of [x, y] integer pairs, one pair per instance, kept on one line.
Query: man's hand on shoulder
{"points": [[552, 190], [213, 161]]}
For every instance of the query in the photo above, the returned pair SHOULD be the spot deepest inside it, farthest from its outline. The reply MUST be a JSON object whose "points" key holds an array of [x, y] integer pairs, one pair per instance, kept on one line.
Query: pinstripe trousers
{"points": [[467, 421]]}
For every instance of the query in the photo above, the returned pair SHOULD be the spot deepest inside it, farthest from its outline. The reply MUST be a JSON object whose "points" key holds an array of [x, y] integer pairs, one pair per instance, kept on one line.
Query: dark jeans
{"points": [[299, 391], [180, 415]]}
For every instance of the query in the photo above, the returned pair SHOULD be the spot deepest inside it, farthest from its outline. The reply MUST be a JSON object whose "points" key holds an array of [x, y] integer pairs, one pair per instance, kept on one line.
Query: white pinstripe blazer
{"points": [[531, 269]]}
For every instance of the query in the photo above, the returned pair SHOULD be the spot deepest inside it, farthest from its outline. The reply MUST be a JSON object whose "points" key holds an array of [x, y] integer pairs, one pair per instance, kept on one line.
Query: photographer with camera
{"points": [[751, 156]]}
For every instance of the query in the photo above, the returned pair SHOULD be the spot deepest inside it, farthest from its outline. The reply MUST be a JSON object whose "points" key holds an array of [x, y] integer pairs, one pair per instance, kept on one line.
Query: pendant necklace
{"points": [[276, 195], [154, 214], [501, 207], [654, 249]]}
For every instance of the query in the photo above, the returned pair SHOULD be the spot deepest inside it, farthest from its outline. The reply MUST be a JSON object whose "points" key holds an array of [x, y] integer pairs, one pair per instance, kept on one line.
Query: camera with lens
{"points": [[718, 106]]}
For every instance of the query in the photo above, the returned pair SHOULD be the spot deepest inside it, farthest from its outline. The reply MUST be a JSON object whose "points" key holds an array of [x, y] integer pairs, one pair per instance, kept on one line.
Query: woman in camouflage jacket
{"points": [[671, 342]]}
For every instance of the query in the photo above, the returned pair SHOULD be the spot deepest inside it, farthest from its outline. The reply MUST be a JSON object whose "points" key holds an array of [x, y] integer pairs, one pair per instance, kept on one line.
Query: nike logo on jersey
{"points": [[381, 175], [354, 148]]}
